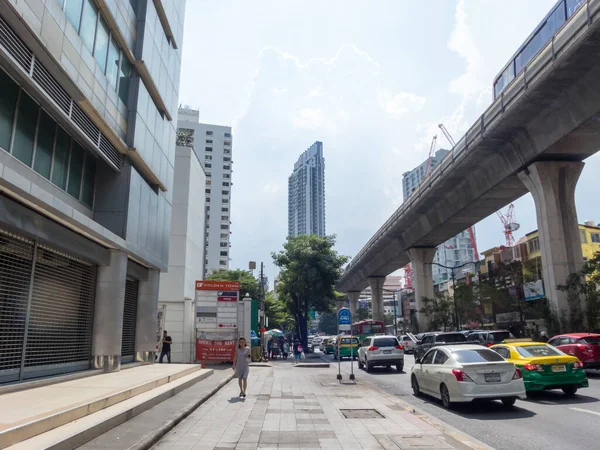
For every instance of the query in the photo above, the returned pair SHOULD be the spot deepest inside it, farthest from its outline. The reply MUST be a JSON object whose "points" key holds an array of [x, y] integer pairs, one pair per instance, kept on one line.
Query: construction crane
{"points": [[447, 134], [509, 224]]}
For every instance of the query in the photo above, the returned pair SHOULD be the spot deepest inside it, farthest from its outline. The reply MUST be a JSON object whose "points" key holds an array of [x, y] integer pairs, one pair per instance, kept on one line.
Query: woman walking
{"points": [[241, 365]]}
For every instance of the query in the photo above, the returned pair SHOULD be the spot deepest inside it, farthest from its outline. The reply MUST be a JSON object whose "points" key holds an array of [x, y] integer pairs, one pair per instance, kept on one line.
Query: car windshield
{"points": [[499, 336], [451, 337], [529, 351], [477, 356], [589, 340], [349, 341], [385, 342]]}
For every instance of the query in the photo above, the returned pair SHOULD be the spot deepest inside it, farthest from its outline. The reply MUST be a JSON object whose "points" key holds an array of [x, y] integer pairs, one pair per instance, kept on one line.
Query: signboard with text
{"points": [[210, 285], [344, 319], [211, 350], [217, 305]]}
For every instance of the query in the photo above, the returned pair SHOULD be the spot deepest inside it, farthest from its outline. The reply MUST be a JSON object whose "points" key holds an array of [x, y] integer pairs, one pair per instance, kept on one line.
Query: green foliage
{"points": [[361, 314], [248, 284], [278, 312], [328, 323], [310, 268], [439, 309]]}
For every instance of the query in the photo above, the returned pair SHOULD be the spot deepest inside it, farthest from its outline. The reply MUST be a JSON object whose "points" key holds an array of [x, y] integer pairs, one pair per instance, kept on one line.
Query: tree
{"points": [[439, 309], [278, 312], [310, 269], [362, 314], [248, 284], [328, 323]]}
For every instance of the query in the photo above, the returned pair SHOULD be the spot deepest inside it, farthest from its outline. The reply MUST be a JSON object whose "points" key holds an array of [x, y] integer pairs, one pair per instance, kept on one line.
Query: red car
{"points": [[585, 346]]}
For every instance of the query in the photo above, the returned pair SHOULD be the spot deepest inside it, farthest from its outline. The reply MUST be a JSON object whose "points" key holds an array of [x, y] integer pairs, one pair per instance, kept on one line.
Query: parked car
{"points": [[309, 342], [544, 367], [316, 342], [430, 340], [381, 351], [462, 373], [323, 343], [585, 346], [348, 347], [408, 343], [489, 338]]}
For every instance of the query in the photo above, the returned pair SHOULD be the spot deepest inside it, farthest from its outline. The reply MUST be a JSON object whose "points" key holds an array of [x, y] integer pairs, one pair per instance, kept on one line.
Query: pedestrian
{"points": [[297, 351], [270, 349], [166, 347], [543, 337], [241, 365]]}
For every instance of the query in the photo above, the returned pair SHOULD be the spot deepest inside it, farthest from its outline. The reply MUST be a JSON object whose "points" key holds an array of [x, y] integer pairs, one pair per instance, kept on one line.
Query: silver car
{"points": [[381, 351], [408, 343]]}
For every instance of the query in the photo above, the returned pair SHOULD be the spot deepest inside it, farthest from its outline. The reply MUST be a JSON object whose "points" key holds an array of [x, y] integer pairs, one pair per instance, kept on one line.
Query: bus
{"points": [[366, 328]]}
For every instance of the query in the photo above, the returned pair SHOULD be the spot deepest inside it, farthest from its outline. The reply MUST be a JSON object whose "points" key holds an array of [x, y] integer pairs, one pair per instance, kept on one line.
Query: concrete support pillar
{"points": [[145, 325], [377, 297], [421, 259], [552, 185], [353, 297], [108, 313]]}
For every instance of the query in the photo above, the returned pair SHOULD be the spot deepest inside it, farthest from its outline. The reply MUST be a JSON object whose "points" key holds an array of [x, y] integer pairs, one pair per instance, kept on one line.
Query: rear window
{"points": [[529, 351], [477, 356], [349, 341], [385, 342], [499, 336], [589, 340], [454, 337]]}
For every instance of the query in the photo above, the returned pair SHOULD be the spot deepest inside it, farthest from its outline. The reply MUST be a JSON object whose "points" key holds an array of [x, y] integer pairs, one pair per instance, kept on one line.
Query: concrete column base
{"points": [[377, 297], [107, 363], [145, 326], [552, 185], [353, 301], [145, 357], [421, 259]]}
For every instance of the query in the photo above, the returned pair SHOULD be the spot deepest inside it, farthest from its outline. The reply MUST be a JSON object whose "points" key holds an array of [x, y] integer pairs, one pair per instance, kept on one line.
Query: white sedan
{"points": [[462, 373]]}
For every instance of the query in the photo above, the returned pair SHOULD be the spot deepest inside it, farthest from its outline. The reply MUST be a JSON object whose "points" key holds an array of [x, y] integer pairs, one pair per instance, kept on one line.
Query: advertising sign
{"points": [[534, 290], [224, 296], [210, 285], [216, 305], [210, 350]]}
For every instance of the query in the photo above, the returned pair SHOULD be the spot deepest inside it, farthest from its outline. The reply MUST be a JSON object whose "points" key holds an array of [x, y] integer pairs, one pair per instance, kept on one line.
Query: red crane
{"points": [[509, 224]]}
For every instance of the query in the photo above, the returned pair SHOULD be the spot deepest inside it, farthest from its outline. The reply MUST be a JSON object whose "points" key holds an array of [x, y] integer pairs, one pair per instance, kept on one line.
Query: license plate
{"points": [[559, 368], [387, 352], [492, 377]]}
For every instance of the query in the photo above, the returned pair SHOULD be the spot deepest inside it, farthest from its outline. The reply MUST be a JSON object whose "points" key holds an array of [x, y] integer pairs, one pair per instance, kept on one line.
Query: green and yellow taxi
{"points": [[543, 366], [347, 345], [330, 345]]}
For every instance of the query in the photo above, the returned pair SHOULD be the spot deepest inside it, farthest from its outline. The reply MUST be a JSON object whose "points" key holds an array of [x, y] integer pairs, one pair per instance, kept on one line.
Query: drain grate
{"points": [[420, 442], [362, 414]]}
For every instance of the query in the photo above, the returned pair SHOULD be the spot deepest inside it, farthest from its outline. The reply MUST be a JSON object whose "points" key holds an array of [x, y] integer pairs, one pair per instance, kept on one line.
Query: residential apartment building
{"points": [[306, 193], [412, 178], [88, 91], [213, 144]]}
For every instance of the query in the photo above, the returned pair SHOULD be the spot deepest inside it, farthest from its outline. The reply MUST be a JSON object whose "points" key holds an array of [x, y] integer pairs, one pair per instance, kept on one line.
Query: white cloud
{"points": [[398, 105], [314, 93], [309, 118]]}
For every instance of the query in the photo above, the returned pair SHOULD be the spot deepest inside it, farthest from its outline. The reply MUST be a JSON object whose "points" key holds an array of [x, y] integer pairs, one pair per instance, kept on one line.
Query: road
{"points": [[549, 421]]}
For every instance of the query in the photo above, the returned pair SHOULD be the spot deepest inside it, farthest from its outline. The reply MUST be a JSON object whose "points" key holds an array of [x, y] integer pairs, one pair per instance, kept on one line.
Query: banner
{"points": [[207, 350], [209, 285], [534, 290]]}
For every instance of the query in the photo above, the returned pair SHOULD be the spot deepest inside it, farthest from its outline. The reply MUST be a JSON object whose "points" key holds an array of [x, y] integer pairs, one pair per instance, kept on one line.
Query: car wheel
{"points": [[415, 386], [570, 391], [445, 396], [360, 364], [369, 367], [399, 367], [508, 402]]}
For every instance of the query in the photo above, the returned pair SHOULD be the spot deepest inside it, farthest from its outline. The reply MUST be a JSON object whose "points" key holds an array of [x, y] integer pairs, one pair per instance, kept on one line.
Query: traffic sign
{"points": [[344, 317]]}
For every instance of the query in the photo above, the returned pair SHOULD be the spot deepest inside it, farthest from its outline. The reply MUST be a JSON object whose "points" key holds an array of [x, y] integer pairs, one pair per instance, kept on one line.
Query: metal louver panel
{"points": [[129, 320], [16, 260], [15, 46], [61, 315]]}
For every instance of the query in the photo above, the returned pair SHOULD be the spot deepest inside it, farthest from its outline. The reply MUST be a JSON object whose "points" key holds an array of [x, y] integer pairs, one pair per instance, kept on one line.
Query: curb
{"points": [[152, 438]]}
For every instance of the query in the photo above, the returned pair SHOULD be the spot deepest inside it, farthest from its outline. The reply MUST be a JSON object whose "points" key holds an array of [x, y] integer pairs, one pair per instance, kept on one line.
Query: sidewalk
{"points": [[291, 408]]}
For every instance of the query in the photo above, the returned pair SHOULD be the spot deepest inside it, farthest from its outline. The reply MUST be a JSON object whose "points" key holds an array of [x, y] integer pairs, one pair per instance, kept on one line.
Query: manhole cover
{"points": [[420, 442], [362, 414]]}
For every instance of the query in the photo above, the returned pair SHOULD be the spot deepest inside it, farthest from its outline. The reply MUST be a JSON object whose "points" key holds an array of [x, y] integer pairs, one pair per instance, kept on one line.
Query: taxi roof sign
{"points": [[511, 341]]}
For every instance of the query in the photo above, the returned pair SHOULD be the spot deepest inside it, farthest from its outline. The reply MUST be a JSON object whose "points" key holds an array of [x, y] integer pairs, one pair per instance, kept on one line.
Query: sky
{"points": [[371, 80]]}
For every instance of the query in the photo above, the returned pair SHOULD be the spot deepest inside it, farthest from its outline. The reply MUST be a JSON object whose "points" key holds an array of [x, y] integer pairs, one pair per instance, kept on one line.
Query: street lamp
{"points": [[452, 275]]}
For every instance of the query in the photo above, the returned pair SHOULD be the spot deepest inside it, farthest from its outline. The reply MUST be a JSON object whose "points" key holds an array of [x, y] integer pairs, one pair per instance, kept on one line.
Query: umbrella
{"points": [[275, 332]]}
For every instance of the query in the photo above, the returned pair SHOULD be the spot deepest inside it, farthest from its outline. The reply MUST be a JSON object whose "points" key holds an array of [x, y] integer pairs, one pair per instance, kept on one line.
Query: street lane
{"points": [[548, 421]]}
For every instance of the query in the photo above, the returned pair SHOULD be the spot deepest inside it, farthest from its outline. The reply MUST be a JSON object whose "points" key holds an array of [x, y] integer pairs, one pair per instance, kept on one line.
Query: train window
{"points": [[572, 5]]}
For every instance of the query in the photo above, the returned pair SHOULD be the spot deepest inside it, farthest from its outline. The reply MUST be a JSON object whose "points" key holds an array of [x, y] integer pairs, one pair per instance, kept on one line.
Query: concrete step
{"points": [[76, 433], [36, 411]]}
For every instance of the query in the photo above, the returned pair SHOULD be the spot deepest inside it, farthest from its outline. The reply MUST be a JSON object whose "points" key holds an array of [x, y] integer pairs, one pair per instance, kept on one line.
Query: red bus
{"points": [[366, 328]]}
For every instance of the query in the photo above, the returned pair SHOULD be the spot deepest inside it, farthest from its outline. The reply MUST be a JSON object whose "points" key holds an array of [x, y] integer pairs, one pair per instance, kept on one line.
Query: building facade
{"points": [[186, 255], [89, 91], [412, 178], [213, 145], [306, 193]]}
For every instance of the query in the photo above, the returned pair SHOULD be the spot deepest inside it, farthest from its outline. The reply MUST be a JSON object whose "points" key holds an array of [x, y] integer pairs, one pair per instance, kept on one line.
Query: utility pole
{"points": [[261, 291]]}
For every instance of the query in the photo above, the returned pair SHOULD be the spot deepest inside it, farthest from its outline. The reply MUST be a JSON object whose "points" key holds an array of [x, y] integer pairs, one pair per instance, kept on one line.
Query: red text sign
{"points": [[209, 285], [207, 350]]}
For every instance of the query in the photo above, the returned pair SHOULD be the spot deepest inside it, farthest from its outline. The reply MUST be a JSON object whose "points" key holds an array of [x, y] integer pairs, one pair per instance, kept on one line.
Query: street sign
{"points": [[210, 285], [227, 325], [344, 319]]}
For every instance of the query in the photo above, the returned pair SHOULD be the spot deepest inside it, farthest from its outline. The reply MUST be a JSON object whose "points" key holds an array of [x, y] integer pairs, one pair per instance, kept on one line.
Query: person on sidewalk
{"points": [[297, 351], [166, 347], [241, 365]]}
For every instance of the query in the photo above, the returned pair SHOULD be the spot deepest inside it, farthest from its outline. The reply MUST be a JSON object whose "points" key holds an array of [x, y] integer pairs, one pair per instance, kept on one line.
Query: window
{"points": [[223, 253], [208, 157], [226, 158], [592, 339], [530, 351], [208, 149], [534, 245], [89, 180], [60, 163], [450, 337], [101, 47], [75, 170], [227, 143], [477, 356], [45, 143], [8, 105], [224, 235], [223, 263], [225, 192], [572, 5], [503, 351], [209, 141], [385, 342], [428, 358], [209, 133], [208, 166], [225, 183], [226, 175], [224, 209], [224, 227], [112, 63], [223, 244], [582, 238], [124, 74], [25, 130], [367, 342], [595, 237], [227, 152], [73, 12], [207, 191], [224, 217], [208, 182], [88, 24], [228, 135], [440, 357], [226, 167], [225, 200]]}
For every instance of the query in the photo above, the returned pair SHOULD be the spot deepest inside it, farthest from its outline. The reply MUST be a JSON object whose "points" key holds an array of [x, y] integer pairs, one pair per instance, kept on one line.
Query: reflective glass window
{"points": [[8, 105], [89, 179], [124, 75], [88, 24], [73, 12], [60, 163], [101, 47], [75, 170], [25, 130], [572, 6], [112, 63], [44, 145]]}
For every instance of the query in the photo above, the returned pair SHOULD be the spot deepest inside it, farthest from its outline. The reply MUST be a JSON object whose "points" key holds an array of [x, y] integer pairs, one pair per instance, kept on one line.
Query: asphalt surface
{"points": [[548, 421]]}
